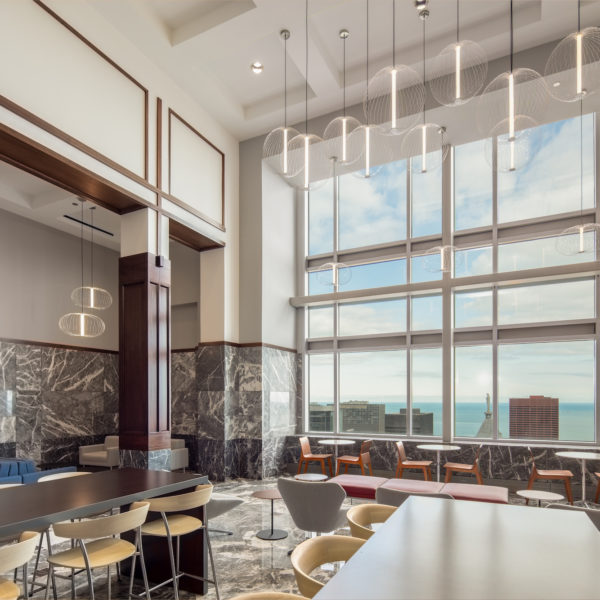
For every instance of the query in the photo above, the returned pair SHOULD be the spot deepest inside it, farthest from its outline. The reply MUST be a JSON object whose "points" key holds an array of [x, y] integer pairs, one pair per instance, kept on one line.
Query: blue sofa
{"points": [[20, 470]]}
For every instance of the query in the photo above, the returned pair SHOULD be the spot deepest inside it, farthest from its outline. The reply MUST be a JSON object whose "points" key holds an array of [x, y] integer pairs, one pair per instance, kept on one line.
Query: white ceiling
{"points": [[207, 46]]}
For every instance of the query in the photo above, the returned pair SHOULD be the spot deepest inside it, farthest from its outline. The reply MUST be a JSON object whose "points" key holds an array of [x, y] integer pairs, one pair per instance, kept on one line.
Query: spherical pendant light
{"points": [[573, 68], [276, 148], [334, 274], [439, 259], [513, 151], [91, 297], [309, 162], [424, 144], [81, 324], [579, 239], [375, 150]]}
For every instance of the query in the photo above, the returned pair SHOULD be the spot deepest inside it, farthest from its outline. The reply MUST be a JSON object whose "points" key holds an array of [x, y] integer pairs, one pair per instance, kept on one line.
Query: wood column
{"points": [[144, 352]]}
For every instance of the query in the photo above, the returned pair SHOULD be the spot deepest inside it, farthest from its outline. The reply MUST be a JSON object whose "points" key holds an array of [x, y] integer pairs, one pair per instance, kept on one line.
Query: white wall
{"points": [[39, 269], [185, 296]]}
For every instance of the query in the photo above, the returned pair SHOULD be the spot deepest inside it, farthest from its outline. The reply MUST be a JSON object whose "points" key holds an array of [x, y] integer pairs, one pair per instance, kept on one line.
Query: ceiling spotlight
{"points": [[422, 7], [257, 67]]}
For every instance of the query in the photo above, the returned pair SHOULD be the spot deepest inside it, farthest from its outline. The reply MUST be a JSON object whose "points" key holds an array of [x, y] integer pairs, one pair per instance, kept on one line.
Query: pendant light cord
{"points": [[344, 46], [581, 157], [92, 247], [367, 112], [511, 36], [578, 15], [457, 21], [81, 252], [393, 33], [285, 39], [306, 70], [424, 80]]}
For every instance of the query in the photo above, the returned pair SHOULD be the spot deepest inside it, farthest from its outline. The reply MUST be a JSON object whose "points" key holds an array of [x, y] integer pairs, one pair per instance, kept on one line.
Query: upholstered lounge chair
{"points": [[101, 455]]}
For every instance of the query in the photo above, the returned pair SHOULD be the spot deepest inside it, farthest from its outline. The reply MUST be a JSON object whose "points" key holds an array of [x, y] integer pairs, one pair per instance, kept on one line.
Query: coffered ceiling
{"points": [[207, 46]]}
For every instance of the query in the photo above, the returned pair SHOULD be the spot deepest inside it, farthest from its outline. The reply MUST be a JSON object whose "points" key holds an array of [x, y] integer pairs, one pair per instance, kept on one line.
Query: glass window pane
{"points": [[473, 261], [559, 301], [373, 392], [378, 274], [426, 312], [320, 392], [364, 318], [473, 308], [426, 204], [320, 219], [472, 186], [426, 391], [550, 182], [320, 322], [473, 391], [532, 254], [373, 211], [547, 391], [319, 282], [421, 268]]}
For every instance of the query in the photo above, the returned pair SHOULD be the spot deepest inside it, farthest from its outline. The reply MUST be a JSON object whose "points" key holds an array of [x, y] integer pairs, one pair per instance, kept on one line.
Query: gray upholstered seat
{"points": [[314, 506], [221, 503], [592, 513], [393, 497]]}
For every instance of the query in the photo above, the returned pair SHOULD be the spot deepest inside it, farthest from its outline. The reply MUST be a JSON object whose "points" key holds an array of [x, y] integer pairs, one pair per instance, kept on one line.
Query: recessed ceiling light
{"points": [[257, 67], [556, 83]]}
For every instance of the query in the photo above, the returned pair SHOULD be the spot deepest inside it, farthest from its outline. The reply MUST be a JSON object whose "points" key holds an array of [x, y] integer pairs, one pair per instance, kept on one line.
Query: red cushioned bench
{"points": [[363, 486]]}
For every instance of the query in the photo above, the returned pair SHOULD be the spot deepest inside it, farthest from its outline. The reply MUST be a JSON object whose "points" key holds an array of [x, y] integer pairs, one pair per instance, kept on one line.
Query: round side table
{"points": [[311, 477], [540, 496], [270, 534], [582, 456]]}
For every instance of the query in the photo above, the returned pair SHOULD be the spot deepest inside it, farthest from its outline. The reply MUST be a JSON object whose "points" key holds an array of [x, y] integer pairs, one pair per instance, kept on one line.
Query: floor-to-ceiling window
{"points": [[503, 346]]}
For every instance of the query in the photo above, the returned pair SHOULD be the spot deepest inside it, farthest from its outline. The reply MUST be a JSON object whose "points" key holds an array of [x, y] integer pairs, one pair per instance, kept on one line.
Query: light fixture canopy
{"points": [[573, 67], [257, 67]]}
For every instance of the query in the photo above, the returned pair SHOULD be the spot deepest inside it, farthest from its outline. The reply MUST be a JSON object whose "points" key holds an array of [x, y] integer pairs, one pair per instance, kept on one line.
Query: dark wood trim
{"points": [[248, 345], [80, 145], [190, 238], [159, 142], [176, 350], [183, 204], [52, 345]]}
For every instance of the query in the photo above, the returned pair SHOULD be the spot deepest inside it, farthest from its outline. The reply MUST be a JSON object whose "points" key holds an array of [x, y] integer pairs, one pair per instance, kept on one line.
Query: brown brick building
{"points": [[534, 417]]}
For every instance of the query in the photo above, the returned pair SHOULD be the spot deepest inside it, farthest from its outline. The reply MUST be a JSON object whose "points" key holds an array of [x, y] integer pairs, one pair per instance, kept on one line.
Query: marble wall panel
{"points": [[243, 368], [154, 460], [210, 368], [211, 415], [183, 372], [279, 370], [29, 368], [243, 415], [8, 366], [8, 449], [65, 370], [243, 458], [207, 457]]}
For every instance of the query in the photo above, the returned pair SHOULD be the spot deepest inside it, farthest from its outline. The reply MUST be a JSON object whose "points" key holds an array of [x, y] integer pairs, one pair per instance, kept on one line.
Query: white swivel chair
{"points": [[101, 455]]}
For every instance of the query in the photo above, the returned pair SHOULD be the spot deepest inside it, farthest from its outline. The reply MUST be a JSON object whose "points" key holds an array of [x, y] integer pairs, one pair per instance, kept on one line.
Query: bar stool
{"points": [[103, 551], [550, 475], [362, 516], [306, 456], [175, 525], [14, 556], [404, 463], [318, 551], [362, 460], [465, 468]]}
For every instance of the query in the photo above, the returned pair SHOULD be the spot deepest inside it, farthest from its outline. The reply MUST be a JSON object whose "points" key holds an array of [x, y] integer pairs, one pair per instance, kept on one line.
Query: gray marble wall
{"points": [[52, 400], [235, 406]]}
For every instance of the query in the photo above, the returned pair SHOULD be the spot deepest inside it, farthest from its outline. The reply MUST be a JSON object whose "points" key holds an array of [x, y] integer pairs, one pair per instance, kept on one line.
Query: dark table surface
{"points": [[38, 505]]}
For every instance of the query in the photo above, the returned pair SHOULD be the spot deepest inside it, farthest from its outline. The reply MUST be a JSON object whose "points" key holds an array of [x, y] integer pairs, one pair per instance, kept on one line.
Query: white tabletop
{"points": [[539, 495], [438, 447], [472, 551], [335, 442], [579, 455]]}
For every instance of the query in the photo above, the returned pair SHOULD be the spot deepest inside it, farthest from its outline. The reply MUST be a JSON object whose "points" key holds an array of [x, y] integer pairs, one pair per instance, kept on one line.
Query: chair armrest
{"points": [[113, 457], [176, 443], [93, 448]]}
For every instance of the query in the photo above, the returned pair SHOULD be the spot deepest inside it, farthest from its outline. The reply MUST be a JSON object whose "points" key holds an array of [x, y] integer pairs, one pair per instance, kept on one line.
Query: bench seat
{"points": [[481, 493], [359, 486]]}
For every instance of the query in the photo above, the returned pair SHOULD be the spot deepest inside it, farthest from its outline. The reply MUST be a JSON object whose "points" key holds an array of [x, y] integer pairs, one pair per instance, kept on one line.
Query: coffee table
{"points": [[311, 477], [540, 496], [270, 534], [582, 456], [438, 448]]}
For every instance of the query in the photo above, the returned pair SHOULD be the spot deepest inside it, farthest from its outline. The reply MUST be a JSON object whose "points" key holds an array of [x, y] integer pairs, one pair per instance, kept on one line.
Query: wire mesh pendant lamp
{"points": [[334, 275], [308, 161], [276, 144], [92, 296], [395, 94], [338, 130], [459, 70], [368, 140], [81, 324], [508, 108], [424, 143], [573, 67], [583, 238]]}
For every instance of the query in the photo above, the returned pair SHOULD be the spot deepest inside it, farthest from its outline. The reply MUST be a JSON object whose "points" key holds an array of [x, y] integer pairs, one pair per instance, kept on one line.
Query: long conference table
{"points": [[433, 548], [38, 505]]}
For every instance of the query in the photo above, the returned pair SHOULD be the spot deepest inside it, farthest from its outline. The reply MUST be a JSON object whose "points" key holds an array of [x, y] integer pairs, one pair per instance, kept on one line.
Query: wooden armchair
{"points": [[362, 460], [465, 468]]}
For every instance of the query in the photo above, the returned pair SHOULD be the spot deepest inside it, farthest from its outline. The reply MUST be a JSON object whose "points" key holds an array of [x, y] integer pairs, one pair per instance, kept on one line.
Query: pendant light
{"points": [[509, 107], [440, 259], [459, 70], [308, 161], [368, 140], [337, 132], [584, 238], [573, 68], [395, 94], [81, 324], [334, 274], [276, 145], [92, 296], [424, 143]]}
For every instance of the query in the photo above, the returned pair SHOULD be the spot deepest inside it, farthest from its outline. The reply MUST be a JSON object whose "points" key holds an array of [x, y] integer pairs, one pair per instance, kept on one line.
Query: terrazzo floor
{"points": [[244, 562]]}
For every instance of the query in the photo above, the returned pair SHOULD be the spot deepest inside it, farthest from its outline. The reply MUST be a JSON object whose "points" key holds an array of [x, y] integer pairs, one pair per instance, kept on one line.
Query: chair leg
{"points": [[478, 476], [337, 468], [370, 470], [306, 466], [143, 563], [90, 583], [322, 461], [37, 561], [346, 469], [330, 464], [399, 470], [362, 468], [448, 477], [108, 593], [428, 474], [597, 493], [212, 562], [299, 467], [569, 491], [531, 481], [173, 571]]}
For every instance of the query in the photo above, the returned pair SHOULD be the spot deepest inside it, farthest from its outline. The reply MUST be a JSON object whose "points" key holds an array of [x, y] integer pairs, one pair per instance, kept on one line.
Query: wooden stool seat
{"points": [[306, 456], [452, 467], [362, 460], [550, 474], [416, 463]]}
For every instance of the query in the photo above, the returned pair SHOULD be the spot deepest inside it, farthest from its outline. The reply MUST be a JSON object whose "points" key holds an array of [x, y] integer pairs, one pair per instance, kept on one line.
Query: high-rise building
{"points": [[533, 417]]}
